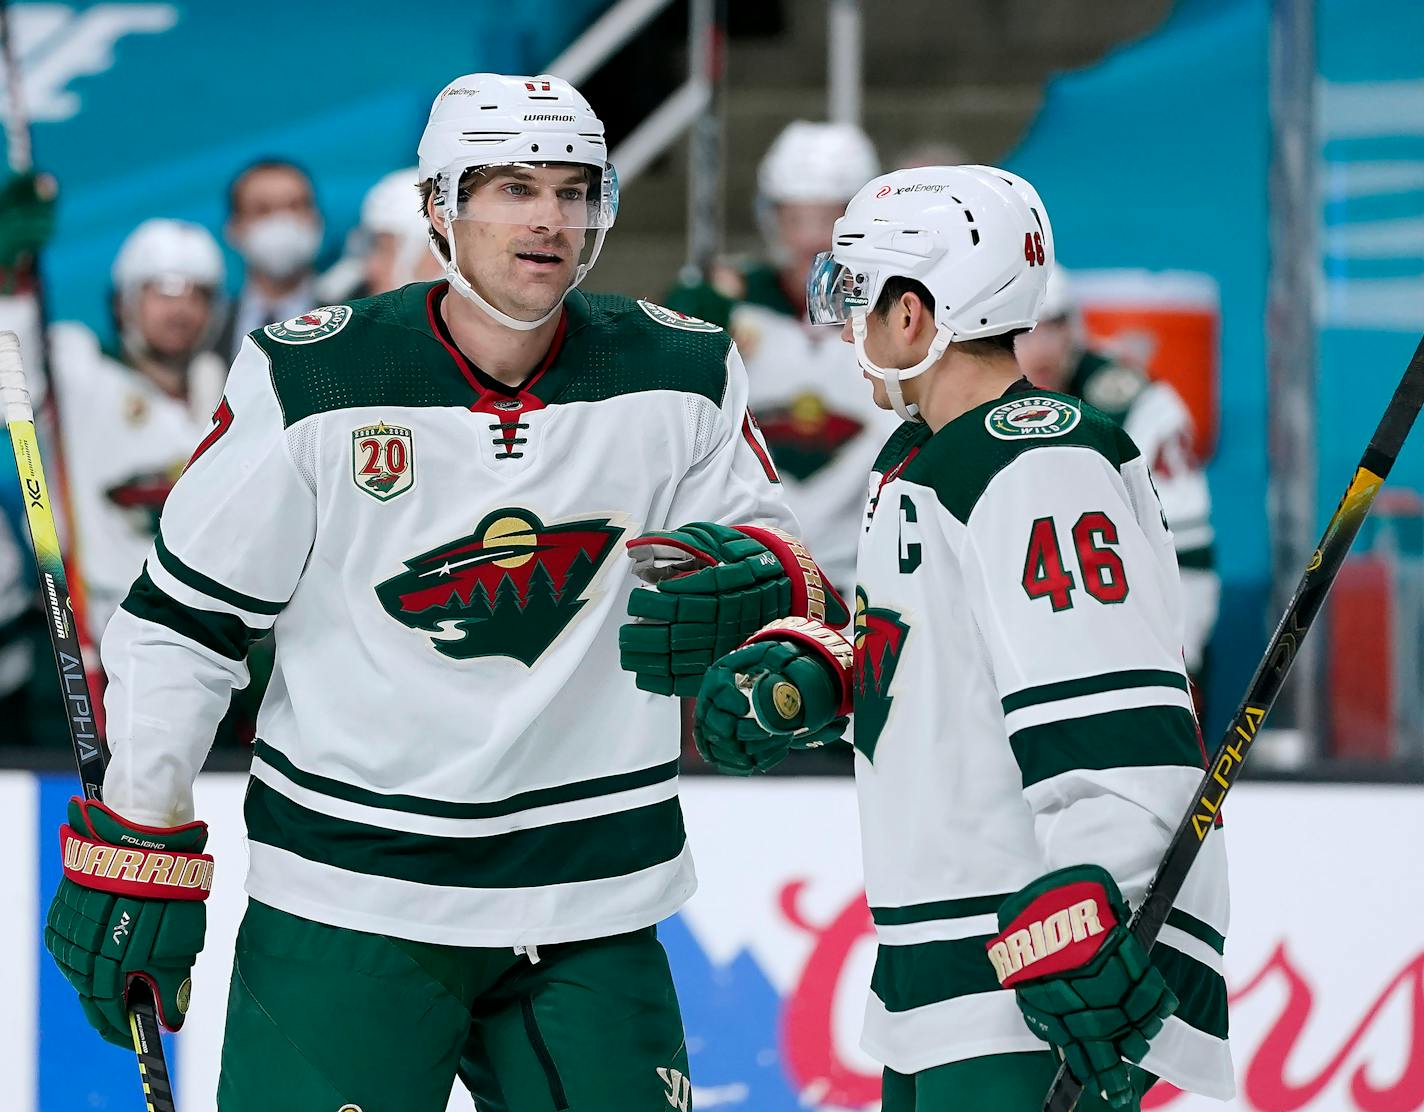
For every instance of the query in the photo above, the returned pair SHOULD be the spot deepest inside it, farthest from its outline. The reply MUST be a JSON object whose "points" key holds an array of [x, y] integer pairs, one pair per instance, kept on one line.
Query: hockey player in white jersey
{"points": [[1055, 356], [1024, 736], [821, 426], [132, 412], [463, 816]]}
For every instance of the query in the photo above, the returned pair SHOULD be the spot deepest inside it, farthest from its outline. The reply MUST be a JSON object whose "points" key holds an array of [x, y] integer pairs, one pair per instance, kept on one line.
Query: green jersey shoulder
{"points": [[1107, 386], [620, 345], [373, 351], [387, 350], [960, 460]]}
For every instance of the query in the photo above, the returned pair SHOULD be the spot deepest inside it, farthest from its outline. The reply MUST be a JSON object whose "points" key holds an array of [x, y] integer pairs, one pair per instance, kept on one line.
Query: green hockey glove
{"points": [[129, 908], [27, 204], [786, 688], [1084, 984], [712, 587]]}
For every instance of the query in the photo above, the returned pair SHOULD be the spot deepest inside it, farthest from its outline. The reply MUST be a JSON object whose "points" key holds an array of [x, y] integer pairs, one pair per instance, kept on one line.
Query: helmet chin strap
{"points": [[893, 377]]}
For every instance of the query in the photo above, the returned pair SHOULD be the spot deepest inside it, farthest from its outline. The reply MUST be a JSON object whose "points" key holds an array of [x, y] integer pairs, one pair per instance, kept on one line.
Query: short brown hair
{"points": [[897, 287]]}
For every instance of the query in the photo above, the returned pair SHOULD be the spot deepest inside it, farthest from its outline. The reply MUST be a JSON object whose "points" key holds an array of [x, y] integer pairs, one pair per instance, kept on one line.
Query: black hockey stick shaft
{"points": [[1231, 754], [90, 753]]}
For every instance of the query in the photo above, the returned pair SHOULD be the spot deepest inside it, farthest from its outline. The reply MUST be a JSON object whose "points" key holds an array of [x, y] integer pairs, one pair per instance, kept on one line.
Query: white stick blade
{"points": [[14, 394]]}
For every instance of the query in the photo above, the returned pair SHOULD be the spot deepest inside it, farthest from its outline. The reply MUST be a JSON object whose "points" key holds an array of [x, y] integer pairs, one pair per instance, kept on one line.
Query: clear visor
{"points": [[540, 195], [834, 290]]}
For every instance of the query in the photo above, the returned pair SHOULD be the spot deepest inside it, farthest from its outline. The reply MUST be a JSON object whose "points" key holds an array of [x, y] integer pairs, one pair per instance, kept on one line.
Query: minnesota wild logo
{"points": [[879, 639], [673, 319], [805, 434], [1033, 415], [509, 588], [312, 326]]}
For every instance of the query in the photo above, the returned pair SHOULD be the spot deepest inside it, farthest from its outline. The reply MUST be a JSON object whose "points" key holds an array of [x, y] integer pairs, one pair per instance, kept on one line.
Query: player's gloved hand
{"points": [[130, 907], [761, 700], [1084, 984], [27, 205], [788, 687], [713, 587]]}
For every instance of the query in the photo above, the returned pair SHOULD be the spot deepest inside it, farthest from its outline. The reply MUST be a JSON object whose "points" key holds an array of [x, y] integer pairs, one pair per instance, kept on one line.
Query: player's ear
{"points": [[910, 314], [437, 216]]}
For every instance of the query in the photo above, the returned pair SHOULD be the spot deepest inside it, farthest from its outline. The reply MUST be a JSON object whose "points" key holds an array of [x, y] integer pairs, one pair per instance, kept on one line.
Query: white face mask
{"points": [[280, 246]]}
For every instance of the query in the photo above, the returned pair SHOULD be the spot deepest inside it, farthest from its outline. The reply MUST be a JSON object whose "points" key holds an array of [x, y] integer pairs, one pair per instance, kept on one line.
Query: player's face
{"points": [[523, 268], [1046, 352], [804, 229], [272, 191], [173, 319]]}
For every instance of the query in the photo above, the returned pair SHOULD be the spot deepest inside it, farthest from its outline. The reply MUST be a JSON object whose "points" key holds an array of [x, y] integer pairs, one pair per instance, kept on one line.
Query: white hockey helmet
{"points": [[816, 162], [1060, 300], [169, 252], [490, 119], [811, 162], [392, 205], [976, 237]]}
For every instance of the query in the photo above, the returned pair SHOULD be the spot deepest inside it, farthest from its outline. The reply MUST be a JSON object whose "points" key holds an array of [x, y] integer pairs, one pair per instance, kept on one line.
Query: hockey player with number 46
{"points": [[463, 816], [1025, 740]]}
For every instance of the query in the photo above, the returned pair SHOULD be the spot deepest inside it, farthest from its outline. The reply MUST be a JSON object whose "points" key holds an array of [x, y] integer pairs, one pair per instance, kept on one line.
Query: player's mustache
{"points": [[555, 244]]}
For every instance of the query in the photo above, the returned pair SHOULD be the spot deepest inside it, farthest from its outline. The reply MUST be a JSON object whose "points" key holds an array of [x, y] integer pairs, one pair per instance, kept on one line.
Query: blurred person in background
{"points": [[390, 246], [1056, 356], [822, 427], [273, 223], [932, 152], [132, 411]]}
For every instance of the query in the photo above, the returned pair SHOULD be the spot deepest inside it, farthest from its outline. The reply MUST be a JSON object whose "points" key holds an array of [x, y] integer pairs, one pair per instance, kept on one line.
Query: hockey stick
{"points": [[1226, 763], [90, 753], [19, 152]]}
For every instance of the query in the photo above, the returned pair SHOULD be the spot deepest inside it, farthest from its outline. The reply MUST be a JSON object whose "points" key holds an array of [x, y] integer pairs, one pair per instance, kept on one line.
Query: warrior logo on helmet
{"points": [[509, 588], [879, 640]]}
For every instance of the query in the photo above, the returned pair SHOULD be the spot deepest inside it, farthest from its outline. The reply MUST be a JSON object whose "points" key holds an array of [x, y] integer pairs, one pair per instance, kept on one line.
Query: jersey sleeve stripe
{"points": [[937, 909], [1203, 932], [180, 592], [1201, 992], [1197, 559], [1192, 947], [201, 583], [1135, 738], [588, 849], [449, 809], [907, 977], [1082, 706], [940, 930], [1092, 685], [222, 634]]}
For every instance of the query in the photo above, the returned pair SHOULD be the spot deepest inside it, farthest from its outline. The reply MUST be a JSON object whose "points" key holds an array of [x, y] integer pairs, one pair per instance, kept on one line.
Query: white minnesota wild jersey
{"points": [[1020, 706], [449, 750]]}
